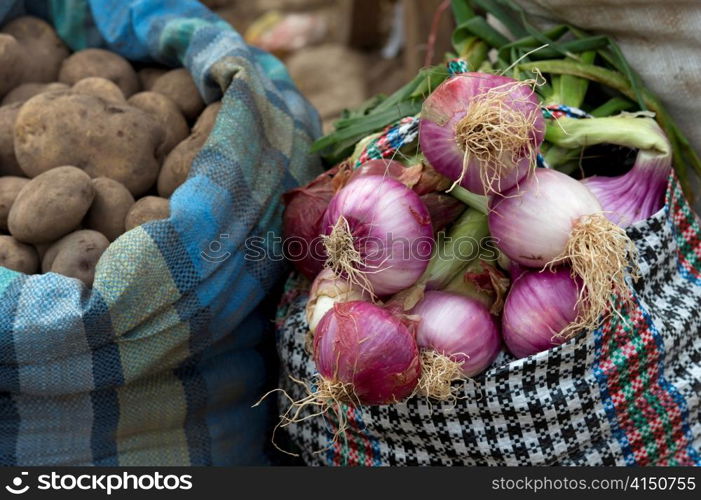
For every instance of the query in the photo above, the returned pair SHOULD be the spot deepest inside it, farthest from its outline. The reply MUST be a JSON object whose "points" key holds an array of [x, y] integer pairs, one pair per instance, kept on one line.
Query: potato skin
{"points": [[18, 256], [9, 189], [180, 87], [51, 205], [10, 60], [167, 113], [43, 51], [177, 164], [104, 139], [22, 93], [99, 87], [8, 160], [147, 209], [148, 76], [109, 208], [102, 63], [76, 255]]}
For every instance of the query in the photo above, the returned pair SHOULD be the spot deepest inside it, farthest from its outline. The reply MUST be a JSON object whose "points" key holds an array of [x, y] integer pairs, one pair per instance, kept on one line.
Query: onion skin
{"points": [[459, 328], [447, 105], [361, 344], [328, 289], [443, 209], [301, 222], [636, 195], [532, 222], [539, 305], [380, 211]]}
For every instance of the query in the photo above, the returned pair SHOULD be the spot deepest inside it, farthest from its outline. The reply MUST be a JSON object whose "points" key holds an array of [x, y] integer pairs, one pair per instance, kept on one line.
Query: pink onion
{"points": [[550, 219], [378, 234], [301, 222], [327, 290], [482, 130], [636, 195], [540, 305], [366, 355], [459, 328]]}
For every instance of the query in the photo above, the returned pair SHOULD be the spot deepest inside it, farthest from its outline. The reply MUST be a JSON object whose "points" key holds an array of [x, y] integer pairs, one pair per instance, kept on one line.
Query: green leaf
{"points": [[506, 16], [462, 11]]}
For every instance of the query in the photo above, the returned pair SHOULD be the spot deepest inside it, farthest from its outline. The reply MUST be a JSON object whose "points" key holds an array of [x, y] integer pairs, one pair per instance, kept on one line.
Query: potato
{"points": [[10, 58], [177, 164], [8, 161], [26, 91], [51, 205], [147, 209], [109, 208], [100, 87], [102, 63], [43, 52], [9, 189], [148, 76], [180, 87], [167, 113], [76, 255], [104, 139], [18, 256]]}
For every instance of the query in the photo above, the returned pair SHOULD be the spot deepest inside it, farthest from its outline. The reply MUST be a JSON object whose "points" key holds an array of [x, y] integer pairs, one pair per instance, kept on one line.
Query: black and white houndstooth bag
{"points": [[628, 393]]}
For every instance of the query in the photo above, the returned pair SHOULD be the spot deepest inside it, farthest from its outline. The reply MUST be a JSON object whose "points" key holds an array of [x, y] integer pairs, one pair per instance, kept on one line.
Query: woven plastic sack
{"points": [[158, 363], [628, 393]]}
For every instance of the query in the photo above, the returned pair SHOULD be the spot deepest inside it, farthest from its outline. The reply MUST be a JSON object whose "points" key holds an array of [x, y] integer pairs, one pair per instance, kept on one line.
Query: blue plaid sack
{"points": [[159, 363]]}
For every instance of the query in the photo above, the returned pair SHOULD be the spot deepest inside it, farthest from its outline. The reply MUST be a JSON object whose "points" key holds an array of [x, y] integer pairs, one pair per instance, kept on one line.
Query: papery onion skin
{"points": [[539, 306], [443, 209], [327, 290], [458, 327], [636, 195], [361, 344], [448, 104], [532, 222], [301, 223], [391, 229]]}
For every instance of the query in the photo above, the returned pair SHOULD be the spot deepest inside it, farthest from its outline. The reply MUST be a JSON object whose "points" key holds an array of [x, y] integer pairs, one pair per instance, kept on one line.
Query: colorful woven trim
{"points": [[391, 139], [555, 111]]}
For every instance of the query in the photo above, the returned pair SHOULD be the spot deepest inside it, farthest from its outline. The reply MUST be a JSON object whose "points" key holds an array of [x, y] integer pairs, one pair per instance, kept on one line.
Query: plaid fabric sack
{"points": [[628, 393], [158, 364]]}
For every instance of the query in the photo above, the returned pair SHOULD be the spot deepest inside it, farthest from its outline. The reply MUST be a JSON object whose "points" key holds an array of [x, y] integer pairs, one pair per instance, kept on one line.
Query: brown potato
{"points": [[10, 60], [26, 91], [104, 139], [109, 208], [18, 256], [148, 76], [102, 63], [180, 87], [43, 51], [147, 209], [8, 161], [167, 113], [177, 164], [9, 189], [51, 205], [76, 255], [100, 87]]}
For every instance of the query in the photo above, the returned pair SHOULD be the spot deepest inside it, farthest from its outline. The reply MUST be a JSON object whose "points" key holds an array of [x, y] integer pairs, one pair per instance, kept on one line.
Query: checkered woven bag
{"points": [[626, 394]]}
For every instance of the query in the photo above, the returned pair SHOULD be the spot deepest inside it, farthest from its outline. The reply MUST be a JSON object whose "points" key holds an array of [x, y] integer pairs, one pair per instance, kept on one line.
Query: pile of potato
{"points": [[89, 148]]}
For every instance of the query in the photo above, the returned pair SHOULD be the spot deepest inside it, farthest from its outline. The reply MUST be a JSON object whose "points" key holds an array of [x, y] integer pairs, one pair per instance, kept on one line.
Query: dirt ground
{"points": [[335, 71]]}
